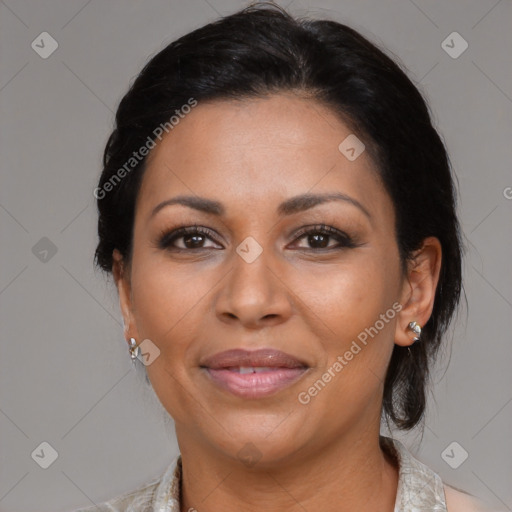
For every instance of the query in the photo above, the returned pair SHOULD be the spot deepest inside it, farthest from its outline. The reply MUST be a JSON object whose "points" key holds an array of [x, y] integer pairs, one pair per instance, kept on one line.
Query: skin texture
{"points": [[296, 297]]}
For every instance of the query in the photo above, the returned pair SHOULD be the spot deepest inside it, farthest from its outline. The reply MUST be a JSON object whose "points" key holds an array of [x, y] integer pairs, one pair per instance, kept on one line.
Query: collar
{"points": [[419, 488]]}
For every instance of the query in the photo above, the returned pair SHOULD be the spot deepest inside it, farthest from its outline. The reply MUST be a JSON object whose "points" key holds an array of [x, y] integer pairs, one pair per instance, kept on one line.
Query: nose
{"points": [[254, 294]]}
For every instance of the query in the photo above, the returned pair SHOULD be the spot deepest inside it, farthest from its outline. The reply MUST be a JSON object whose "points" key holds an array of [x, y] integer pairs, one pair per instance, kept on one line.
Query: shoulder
{"points": [[460, 501], [420, 488], [154, 495], [139, 500]]}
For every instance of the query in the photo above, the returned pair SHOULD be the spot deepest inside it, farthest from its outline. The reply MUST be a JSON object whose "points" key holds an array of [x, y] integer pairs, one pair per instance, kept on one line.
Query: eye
{"points": [[186, 238], [194, 237], [320, 235]]}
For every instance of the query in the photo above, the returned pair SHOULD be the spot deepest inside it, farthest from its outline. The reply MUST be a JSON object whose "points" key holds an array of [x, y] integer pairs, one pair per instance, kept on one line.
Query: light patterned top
{"points": [[419, 489]]}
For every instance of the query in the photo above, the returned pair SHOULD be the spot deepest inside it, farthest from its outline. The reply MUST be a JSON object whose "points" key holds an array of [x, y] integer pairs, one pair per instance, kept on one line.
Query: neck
{"points": [[351, 474]]}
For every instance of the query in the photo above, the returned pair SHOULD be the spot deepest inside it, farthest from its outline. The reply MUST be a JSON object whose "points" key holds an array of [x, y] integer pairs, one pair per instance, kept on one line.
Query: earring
{"points": [[415, 327], [134, 350]]}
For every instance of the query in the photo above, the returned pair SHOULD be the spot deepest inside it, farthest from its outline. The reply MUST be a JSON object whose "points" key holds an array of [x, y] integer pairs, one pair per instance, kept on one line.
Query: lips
{"points": [[267, 358], [253, 374]]}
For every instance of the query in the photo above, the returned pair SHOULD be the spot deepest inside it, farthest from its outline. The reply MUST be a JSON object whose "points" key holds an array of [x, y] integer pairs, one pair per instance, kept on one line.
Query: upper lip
{"points": [[265, 357]]}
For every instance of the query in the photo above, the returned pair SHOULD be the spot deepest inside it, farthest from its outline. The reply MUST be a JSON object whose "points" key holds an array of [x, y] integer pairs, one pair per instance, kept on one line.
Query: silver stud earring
{"points": [[134, 350], [415, 327]]}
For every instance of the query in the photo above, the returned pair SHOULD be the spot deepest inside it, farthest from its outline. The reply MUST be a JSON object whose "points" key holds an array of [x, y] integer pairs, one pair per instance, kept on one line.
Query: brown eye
{"points": [[319, 240], [320, 236], [187, 238]]}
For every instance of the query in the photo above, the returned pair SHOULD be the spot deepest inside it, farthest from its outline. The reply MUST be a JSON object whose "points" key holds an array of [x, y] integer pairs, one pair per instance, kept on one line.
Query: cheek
{"points": [[164, 296], [350, 297], [166, 302], [350, 302]]}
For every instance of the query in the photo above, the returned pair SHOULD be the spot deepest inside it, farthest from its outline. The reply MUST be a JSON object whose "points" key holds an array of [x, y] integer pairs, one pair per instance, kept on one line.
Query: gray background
{"points": [[65, 374]]}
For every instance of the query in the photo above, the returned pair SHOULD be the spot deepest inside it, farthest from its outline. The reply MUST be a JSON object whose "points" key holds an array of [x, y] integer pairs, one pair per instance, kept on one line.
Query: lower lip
{"points": [[256, 385]]}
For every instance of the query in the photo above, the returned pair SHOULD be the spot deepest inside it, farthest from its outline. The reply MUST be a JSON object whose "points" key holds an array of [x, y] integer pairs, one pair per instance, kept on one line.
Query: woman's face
{"points": [[252, 279]]}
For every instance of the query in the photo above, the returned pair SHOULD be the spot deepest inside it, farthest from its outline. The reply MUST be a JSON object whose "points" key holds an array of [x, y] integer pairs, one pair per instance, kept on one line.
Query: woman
{"points": [[278, 214]]}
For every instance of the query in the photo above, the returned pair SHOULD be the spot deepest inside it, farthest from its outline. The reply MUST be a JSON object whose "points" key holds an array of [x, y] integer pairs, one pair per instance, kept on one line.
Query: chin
{"points": [[259, 439]]}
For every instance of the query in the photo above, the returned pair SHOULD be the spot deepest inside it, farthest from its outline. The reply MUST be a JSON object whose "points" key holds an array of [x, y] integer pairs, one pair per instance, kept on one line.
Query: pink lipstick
{"points": [[254, 374]]}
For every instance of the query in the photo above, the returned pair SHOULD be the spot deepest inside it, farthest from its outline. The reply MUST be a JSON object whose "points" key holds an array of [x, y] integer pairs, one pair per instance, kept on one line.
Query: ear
{"points": [[419, 289], [121, 275]]}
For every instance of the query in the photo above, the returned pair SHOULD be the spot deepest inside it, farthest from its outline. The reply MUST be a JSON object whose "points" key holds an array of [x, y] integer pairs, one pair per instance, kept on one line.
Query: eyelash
{"points": [[344, 241]]}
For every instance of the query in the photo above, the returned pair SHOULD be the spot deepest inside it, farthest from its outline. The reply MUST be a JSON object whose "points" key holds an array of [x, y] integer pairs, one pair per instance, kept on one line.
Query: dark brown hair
{"points": [[261, 50]]}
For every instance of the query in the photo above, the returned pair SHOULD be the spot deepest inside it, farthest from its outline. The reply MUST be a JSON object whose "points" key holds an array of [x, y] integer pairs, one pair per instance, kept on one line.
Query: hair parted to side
{"points": [[261, 50]]}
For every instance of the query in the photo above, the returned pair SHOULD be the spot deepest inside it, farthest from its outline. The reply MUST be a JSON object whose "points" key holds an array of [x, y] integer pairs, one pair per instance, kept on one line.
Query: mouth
{"points": [[253, 374]]}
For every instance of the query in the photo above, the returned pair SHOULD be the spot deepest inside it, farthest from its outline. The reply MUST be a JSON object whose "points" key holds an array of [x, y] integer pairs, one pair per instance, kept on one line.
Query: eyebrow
{"points": [[291, 206]]}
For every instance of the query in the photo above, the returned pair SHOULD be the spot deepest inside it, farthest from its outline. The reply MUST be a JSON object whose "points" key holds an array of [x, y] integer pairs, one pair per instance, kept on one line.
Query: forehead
{"points": [[252, 152]]}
